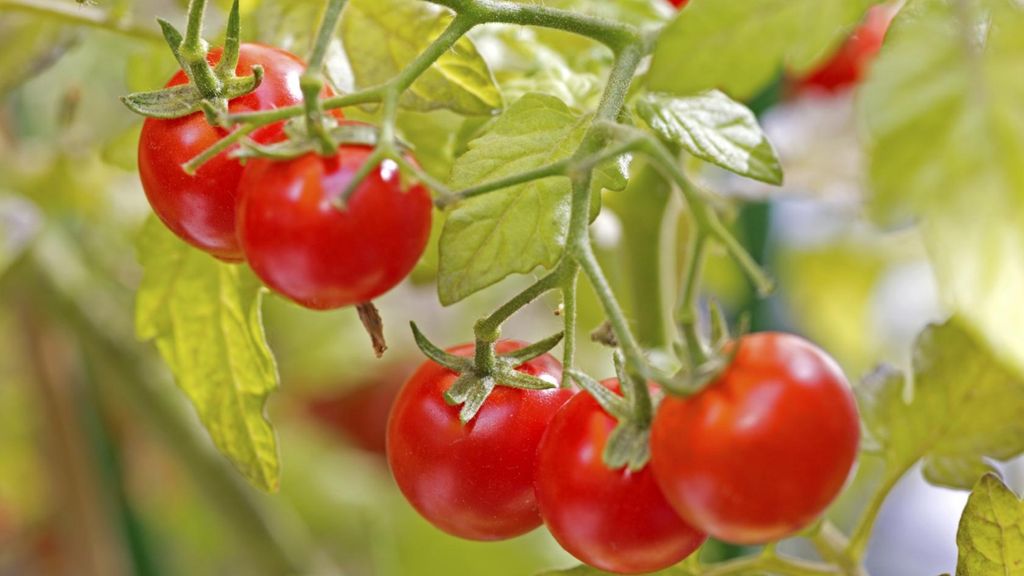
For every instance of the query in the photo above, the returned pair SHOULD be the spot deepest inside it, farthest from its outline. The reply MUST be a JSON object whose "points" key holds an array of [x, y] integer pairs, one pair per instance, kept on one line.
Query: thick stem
{"points": [[193, 53]]}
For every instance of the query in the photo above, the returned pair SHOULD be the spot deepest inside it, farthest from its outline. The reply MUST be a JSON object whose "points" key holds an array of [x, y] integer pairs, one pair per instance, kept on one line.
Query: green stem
{"points": [[458, 28], [861, 535], [559, 168], [193, 53], [688, 312], [80, 15], [217, 147], [612, 34], [373, 94], [570, 286], [312, 81], [488, 328]]}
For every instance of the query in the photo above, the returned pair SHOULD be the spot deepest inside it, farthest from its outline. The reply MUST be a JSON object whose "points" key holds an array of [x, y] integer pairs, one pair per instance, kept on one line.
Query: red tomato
{"points": [[679, 4], [762, 451], [615, 520], [201, 208], [849, 64], [474, 481], [304, 247]]}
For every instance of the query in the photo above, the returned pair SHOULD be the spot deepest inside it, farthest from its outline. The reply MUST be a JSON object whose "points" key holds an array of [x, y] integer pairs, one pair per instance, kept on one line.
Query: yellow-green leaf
{"points": [[962, 410], [204, 317], [947, 130], [991, 534], [382, 36]]}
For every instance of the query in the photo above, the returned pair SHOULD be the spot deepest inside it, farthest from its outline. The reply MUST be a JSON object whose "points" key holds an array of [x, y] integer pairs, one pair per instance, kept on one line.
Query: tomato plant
{"points": [[200, 208], [474, 480], [307, 248], [616, 520], [576, 152], [760, 452]]}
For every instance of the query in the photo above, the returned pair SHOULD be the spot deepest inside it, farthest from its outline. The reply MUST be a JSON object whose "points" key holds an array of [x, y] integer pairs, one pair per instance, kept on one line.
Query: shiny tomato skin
{"points": [[849, 64], [200, 209], [321, 256], [615, 520], [475, 480], [765, 448]]}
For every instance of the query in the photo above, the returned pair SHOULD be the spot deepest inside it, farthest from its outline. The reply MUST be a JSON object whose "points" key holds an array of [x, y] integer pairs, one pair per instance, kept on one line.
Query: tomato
{"points": [[321, 256], [762, 451], [474, 480], [615, 520], [201, 208], [849, 64], [679, 4]]}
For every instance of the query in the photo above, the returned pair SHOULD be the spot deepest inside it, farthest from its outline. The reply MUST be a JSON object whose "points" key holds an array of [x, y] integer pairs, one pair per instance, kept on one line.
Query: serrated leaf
{"points": [[943, 113], [516, 229], [962, 409], [990, 539], [204, 317], [714, 128], [382, 36], [740, 45]]}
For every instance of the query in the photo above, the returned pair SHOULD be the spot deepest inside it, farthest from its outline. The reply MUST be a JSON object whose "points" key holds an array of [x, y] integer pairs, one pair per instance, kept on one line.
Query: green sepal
{"points": [[173, 38], [299, 142], [523, 355], [628, 446], [513, 378], [430, 350], [178, 101], [611, 402], [229, 57]]}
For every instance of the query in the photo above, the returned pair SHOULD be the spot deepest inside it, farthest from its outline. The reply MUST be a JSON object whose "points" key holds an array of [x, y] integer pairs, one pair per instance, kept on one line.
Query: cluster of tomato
{"points": [[754, 457], [283, 216]]}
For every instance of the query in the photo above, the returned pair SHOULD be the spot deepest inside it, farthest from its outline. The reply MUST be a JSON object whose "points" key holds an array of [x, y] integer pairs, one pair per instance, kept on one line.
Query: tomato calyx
{"points": [[209, 88], [628, 444], [704, 369], [479, 376]]}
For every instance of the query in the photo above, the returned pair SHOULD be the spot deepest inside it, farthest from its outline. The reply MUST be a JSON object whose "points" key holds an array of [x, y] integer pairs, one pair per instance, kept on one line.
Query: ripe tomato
{"points": [[201, 209], [849, 64], [304, 247], [764, 449], [615, 520], [475, 480], [679, 4]]}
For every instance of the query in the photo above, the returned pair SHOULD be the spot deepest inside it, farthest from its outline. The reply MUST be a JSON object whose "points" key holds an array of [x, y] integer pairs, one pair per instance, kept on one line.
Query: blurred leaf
{"points": [[204, 317], [947, 131], [20, 222], [580, 91], [738, 46], [516, 229], [714, 128], [991, 534], [961, 409], [29, 46], [382, 36]]}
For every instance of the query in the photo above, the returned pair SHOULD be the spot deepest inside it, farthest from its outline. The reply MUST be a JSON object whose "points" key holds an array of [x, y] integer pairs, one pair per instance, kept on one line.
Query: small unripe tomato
{"points": [[765, 448]]}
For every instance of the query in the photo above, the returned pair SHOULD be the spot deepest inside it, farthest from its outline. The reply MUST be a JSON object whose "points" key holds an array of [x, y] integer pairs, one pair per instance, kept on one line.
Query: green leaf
{"points": [[516, 229], [714, 128], [382, 36], [991, 534], [204, 317], [740, 45], [962, 409], [943, 113]]}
